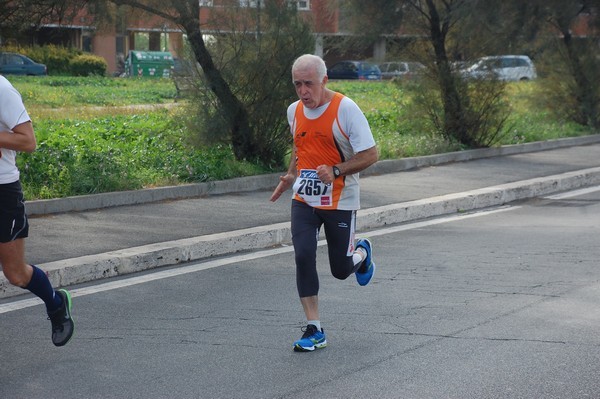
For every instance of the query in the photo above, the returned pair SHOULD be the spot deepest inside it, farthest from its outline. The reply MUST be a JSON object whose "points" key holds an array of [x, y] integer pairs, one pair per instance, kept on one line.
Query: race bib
{"points": [[311, 189]]}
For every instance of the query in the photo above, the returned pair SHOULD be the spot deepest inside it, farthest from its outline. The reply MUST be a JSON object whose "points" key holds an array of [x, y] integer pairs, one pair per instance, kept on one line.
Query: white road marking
{"points": [[574, 193], [211, 264]]}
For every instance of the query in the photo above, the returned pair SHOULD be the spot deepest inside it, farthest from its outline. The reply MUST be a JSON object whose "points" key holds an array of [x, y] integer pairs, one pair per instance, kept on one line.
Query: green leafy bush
{"points": [[56, 58], [88, 65]]}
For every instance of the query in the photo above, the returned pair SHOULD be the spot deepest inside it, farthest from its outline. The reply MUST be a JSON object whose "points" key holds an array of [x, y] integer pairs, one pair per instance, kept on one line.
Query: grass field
{"points": [[108, 134]]}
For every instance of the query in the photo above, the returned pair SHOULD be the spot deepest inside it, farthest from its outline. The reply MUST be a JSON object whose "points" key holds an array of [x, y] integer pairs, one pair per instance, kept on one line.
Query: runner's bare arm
{"points": [[21, 139], [359, 162]]}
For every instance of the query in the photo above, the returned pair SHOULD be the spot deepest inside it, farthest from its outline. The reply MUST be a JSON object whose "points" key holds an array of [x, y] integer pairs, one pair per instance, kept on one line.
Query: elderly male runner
{"points": [[332, 143]]}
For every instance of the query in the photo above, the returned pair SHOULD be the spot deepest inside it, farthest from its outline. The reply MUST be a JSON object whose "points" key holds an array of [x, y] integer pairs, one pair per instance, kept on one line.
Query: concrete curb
{"points": [[476, 199], [116, 263], [268, 181]]}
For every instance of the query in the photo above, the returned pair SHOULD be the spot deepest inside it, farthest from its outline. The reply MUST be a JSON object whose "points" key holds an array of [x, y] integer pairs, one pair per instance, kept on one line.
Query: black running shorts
{"points": [[13, 220]]}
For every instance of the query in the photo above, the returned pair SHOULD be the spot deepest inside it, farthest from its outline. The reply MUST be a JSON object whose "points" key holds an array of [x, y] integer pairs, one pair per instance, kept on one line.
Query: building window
{"points": [[303, 4], [206, 3], [249, 3]]}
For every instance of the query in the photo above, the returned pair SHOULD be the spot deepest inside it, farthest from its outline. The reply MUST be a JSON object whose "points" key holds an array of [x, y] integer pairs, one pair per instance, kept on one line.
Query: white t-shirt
{"points": [[12, 113]]}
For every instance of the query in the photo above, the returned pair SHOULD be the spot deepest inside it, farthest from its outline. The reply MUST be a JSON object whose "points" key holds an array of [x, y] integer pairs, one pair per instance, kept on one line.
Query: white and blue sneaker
{"points": [[311, 339], [365, 272]]}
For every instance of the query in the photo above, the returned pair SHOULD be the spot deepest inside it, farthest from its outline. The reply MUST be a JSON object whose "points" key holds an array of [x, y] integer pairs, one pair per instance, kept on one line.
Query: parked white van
{"points": [[503, 67]]}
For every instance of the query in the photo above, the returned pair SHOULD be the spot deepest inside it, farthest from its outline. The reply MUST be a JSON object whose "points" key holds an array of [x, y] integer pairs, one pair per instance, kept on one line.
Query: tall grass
{"points": [[75, 92], [121, 152], [399, 132], [531, 121], [99, 134]]}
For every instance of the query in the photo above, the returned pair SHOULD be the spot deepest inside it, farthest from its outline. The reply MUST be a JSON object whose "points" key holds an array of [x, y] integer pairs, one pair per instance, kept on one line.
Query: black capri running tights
{"points": [[339, 232]]}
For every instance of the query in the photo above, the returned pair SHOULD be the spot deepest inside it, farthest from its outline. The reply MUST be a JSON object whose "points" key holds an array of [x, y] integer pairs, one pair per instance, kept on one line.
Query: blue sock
{"points": [[41, 287]]}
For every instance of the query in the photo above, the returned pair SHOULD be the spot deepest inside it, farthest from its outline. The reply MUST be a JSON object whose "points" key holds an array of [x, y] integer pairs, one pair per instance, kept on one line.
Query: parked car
{"points": [[502, 67], [18, 64], [361, 70], [400, 69]]}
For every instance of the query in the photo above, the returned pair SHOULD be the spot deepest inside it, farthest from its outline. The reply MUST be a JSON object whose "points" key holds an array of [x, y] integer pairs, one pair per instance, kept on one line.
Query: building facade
{"points": [[134, 30]]}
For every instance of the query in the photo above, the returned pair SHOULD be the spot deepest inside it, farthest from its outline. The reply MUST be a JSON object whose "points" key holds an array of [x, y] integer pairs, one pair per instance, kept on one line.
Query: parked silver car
{"points": [[502, 67], [400, 69]]}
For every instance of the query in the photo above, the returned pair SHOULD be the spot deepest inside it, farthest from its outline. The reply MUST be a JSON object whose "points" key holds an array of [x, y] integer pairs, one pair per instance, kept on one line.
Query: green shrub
{"points": [[56, 58], [87, 65]]}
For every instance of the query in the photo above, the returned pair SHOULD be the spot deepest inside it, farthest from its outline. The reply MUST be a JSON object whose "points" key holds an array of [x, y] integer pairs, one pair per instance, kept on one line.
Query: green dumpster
{"points": [[158, 64]]}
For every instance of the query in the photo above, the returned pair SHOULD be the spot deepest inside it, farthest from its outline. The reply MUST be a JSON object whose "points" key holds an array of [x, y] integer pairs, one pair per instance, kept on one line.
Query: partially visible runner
{"points": [[16, 134], [332, 143]]}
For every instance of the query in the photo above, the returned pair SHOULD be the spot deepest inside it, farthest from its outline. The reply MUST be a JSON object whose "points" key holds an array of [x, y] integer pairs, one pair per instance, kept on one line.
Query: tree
{"points": [[254, 52], [574, 84], [471, 113], [547, 30], [186, 14], [246, 143], [285, 36], [24, 13]]}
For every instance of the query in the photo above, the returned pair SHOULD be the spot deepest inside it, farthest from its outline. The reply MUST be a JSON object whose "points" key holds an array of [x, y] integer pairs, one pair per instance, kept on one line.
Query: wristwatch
{"points": [[336, 171]]}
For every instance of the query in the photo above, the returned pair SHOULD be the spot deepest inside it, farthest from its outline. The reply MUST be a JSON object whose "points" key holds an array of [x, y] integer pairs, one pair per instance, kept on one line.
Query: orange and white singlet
{"points": [[328, 135]]}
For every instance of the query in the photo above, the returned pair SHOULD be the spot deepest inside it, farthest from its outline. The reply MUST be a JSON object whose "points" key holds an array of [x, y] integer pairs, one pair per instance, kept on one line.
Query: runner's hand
{"points": [[285, 182], [325, 173]]}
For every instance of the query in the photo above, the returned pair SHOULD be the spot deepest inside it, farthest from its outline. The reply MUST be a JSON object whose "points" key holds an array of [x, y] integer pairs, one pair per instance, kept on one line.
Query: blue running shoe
{"points": [[363, 278], [311, 339]]}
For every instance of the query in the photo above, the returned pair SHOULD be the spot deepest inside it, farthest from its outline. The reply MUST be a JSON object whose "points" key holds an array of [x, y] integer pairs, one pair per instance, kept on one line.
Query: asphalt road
{"points": [[503, 303], [74, 247]]}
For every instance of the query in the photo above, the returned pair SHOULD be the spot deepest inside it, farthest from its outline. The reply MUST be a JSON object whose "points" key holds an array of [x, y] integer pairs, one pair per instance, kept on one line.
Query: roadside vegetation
{"points": [[110, 134]]}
